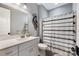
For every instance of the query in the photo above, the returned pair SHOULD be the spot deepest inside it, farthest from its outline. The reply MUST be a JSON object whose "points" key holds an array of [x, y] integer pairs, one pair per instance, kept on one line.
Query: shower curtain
{"points": [[59, 32]]}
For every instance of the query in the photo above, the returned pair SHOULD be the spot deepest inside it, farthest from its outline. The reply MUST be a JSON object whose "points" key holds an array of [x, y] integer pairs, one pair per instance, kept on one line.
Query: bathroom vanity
{"points": [[19, 47]]}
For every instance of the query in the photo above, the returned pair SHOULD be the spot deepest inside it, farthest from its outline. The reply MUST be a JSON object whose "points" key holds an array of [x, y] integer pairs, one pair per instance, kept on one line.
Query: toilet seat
{"points": [[42, 46]]}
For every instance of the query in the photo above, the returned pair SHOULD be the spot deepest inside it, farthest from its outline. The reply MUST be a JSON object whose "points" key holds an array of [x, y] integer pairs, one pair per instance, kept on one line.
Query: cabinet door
{"points": [[12, 51], [24, 52], [29, 48], [35, 51], [30, 51]]}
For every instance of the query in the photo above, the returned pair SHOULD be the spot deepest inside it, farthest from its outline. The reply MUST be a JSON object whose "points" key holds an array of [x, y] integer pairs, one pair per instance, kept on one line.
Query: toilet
{"points": [[42, 48]]}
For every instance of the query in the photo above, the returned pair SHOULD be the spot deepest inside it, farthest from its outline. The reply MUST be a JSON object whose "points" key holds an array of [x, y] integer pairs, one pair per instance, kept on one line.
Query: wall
{"points": [[77, 39], [33, 9], [61, 10], [42, 14], [18, 19]]}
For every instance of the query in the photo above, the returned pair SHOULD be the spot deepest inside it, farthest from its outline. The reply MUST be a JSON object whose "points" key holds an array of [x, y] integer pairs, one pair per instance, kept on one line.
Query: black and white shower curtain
{"points": [[59, 32]]}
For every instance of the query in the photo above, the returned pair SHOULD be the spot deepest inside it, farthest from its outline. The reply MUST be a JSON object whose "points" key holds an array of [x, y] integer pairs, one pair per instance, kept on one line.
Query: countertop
{"points": [[14, 41]]}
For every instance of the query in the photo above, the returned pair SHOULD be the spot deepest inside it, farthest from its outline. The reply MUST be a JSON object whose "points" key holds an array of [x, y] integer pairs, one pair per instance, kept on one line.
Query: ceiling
{"points": [[50, 6]]}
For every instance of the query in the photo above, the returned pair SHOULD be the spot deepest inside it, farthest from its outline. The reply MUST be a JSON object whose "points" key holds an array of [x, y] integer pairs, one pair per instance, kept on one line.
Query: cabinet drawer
{"points": [[11, 51], [27, 44]]}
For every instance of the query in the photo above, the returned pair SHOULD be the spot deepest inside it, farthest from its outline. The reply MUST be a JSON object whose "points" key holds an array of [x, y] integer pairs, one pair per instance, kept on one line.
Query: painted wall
{"points": [[61, 10], [33, 9], [31, 29], [77, 39], [42, 14]]}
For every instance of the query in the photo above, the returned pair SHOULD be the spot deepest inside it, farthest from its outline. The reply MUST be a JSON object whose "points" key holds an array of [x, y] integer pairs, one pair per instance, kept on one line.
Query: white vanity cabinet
{"points": [[29, 48], [22, 47], [11, 51]]}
